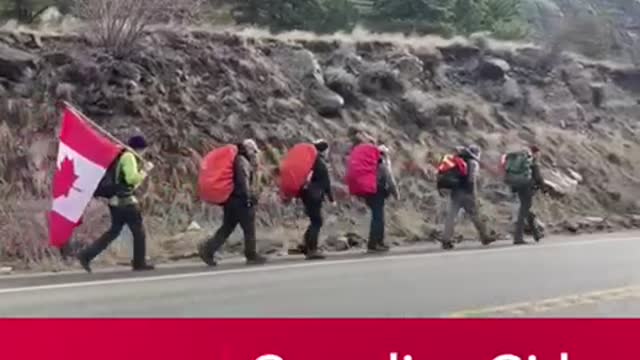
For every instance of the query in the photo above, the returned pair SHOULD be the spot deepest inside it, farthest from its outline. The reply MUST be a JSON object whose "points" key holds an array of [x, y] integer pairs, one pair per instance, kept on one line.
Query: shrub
{"points": [[119, 25]]}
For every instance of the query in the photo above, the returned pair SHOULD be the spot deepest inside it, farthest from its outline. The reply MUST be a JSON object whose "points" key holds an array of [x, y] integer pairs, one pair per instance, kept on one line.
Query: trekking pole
{"points": [[79, 113]]}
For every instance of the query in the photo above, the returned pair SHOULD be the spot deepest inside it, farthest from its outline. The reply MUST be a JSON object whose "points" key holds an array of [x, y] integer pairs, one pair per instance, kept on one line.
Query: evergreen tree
{"points": [[310, 15], [422, 16]]}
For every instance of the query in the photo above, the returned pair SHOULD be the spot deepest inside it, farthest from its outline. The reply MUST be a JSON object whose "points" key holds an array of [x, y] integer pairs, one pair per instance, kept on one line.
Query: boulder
{"points": [[407, 65], [379, 78], [337, 243], [325, 101], [511, 93], [431, 57], [343, 83], [297, 63], [578, 81], [14, 63], [346, 58], [493, 68], [58, 58]]}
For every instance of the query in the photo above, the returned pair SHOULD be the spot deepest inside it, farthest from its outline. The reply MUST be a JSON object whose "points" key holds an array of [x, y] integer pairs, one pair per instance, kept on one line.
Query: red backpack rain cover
{"points": [[362, 170], [295, 169], [215, 180]]}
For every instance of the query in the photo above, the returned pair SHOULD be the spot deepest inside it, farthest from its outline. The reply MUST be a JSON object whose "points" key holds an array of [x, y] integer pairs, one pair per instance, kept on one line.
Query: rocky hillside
{"points": [[191, 91]]}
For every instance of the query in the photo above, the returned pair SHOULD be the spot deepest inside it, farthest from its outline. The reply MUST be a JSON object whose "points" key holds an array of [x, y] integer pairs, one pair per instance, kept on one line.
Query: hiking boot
{"points": [[207, 259], [538, 236], [256, 260], [378, 249], [447, 245], [143, 267], [84, 262], [315, 255], [487, 241]]}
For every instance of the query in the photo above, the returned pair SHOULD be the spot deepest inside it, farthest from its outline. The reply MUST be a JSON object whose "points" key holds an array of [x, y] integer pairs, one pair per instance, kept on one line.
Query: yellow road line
{"points": [[545, 305]]}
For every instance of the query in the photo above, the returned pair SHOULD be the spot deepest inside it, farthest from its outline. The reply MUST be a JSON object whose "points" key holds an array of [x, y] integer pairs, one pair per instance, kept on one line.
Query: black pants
{"points": [[313, 209], [131, 216], [525, 216], [236, 211], [376, 229]]}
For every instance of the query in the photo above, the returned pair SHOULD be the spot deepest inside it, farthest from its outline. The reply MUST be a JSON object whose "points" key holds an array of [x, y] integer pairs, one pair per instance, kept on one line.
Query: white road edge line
{"points": [[310, 265]]}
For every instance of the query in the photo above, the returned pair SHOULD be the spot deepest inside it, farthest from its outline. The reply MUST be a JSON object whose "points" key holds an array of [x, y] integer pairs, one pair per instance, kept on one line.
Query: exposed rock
{"points": [[343, 83], [337, 243], [194, 226], [347, 59], [493, 68], [576, 176], [58, 58], [511, 94], [597, 95], [431, 58], [14, 63], [459, 52], [298, 63], [64, 91], [578, 81], [325, 101], [378, 79], [408, 65], [627, 78]]}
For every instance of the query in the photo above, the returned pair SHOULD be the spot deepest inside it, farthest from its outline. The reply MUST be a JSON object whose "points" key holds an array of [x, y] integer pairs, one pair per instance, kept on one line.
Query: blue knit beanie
{"points": [[137, 142]]}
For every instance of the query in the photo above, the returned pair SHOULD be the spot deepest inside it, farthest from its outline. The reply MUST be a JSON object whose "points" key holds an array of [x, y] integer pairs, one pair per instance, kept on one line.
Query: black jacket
{"points": [[320, 184], [243, 174]]}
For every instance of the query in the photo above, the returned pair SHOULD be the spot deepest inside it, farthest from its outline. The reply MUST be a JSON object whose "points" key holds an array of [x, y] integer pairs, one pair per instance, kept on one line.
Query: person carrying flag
{"points": [[124, 208]]}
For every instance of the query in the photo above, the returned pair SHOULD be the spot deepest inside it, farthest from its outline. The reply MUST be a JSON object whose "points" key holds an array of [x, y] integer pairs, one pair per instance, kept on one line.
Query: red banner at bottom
{"points": [[321, 339]]}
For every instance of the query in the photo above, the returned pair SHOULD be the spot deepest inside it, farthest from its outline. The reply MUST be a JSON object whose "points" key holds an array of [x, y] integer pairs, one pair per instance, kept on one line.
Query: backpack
{"points": [[362, 170], [109, 185], [517, 168], [215, 179], [452, 172], [296, 170]]}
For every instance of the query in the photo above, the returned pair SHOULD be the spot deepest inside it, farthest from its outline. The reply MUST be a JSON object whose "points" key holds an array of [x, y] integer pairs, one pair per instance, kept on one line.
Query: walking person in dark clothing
{"points": [[523, 175], [313, 195], [239, 209], [124, 209], [386, 185], [464, 197]]}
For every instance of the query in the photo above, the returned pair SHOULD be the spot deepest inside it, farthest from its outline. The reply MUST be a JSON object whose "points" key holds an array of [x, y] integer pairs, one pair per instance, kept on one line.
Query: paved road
{"points": [[576, 276]]}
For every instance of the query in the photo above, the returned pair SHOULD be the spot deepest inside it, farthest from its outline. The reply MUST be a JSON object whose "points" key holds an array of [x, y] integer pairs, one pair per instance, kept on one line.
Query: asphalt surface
{"points": [[590, 276]]}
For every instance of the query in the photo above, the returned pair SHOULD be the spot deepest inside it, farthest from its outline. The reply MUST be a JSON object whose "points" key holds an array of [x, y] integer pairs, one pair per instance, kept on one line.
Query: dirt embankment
{"points": [[191, 91]]}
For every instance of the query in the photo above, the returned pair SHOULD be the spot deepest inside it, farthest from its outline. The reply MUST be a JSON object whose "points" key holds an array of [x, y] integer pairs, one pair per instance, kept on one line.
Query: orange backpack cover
{"points": [[215, 180], [295, 168]]}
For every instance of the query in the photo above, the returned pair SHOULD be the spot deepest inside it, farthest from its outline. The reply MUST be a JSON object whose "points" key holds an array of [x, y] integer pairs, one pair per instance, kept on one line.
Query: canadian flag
{"points": [[83, 158]]}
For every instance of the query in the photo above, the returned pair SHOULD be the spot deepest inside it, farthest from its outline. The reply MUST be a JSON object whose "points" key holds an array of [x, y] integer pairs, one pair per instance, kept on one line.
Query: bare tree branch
{"points": [[119, 25]]}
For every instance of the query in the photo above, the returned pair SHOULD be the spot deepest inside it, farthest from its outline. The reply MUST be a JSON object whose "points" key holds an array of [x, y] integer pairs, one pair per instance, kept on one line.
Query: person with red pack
{"points": [[386, 186], [239, 202], [317, 189], [459, 174], [369, 176]]}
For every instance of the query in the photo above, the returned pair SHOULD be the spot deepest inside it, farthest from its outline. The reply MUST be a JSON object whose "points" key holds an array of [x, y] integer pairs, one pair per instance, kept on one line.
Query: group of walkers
{"points": [[229, 178]]}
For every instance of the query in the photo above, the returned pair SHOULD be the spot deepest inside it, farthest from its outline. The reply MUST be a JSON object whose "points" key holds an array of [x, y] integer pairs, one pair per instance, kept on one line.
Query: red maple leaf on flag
{"points": [[64, 178]]}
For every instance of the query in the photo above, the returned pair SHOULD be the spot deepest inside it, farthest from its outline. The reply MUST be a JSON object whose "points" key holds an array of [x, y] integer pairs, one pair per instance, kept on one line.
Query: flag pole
{"points": [[101, 129]]}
